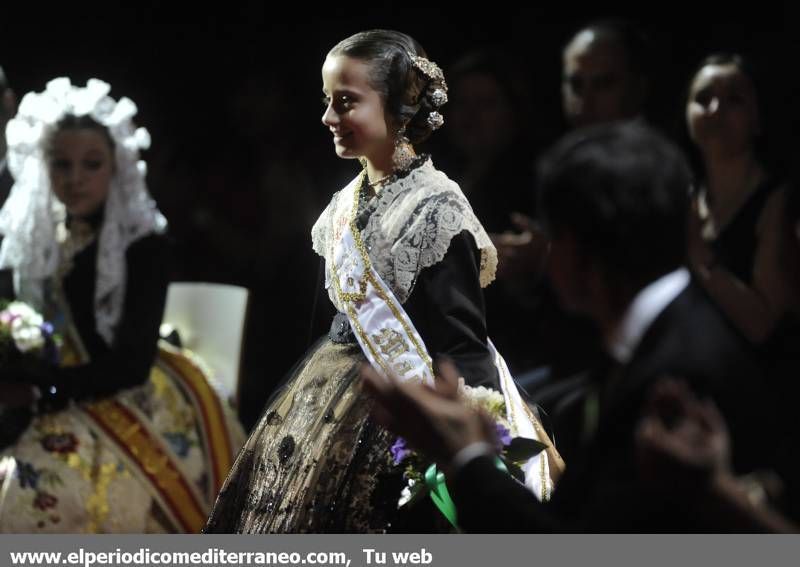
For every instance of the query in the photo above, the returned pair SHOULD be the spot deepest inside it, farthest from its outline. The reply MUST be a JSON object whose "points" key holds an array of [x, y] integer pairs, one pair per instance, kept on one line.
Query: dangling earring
{"points": [[404, 153]]}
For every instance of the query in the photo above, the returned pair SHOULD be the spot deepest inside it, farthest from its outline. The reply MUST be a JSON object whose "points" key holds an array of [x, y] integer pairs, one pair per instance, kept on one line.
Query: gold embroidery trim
{"points": [[97, 503], [209, 410], [123, 427], [542, 470], [99, 477], [358, 297], [365, 338]]}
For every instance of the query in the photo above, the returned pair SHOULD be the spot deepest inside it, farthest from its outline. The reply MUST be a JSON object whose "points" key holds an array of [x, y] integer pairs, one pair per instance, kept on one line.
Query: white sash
{"points": [[386, 335], [389, 339]]}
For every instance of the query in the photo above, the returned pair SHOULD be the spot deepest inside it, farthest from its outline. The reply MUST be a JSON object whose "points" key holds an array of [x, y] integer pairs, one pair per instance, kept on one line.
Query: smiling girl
{"points": [[405, 261]]}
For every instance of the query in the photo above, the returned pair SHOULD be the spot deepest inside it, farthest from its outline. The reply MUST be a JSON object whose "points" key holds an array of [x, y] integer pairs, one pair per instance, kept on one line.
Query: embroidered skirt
{"points": [[315, 462], [149, 459]]}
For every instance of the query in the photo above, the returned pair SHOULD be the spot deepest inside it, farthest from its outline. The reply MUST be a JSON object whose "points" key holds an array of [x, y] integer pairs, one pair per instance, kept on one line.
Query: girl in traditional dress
{"points": [[106, 440], [405, 261]]}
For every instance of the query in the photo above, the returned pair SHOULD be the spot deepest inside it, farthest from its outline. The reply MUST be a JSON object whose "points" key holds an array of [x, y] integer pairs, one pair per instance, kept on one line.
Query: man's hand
{"points": [[435, 420], [681, 438]]}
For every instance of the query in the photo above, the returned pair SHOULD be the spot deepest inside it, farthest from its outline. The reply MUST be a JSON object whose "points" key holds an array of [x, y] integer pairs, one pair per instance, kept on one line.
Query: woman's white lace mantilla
{"points": [[33, 220], [414, 221]]}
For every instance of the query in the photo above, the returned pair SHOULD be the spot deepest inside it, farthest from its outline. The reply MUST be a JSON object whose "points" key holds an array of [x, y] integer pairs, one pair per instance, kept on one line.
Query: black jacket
{"points": [[601, 490]]}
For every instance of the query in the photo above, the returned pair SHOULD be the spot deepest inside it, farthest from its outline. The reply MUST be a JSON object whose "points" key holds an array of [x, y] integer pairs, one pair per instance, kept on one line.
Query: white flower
{"points": [[435, 120], [406, 494], [486, 398], [27, 338], [23, 311], [439, 97], [25, 325], [405, 497], [482, 394]]}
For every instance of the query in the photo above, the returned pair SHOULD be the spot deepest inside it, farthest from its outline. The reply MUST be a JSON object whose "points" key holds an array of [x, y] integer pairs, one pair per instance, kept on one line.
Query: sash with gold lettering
{"points": [[389, 339]]}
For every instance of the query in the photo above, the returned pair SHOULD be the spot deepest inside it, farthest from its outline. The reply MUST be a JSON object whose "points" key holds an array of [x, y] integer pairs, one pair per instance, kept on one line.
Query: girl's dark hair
{"points": [[73, 122], [404, 88]]}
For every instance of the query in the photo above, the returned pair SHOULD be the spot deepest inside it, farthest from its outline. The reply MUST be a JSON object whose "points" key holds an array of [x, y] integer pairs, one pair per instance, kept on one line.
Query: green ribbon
{"points": [[440, 495], [437, 487]]}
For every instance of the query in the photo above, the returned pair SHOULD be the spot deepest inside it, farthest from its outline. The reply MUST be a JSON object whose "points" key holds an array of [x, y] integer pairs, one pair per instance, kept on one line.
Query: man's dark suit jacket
{"points": [[601, 489]]}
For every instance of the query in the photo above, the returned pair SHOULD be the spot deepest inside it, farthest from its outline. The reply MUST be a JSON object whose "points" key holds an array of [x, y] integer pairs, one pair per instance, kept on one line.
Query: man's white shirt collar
{"points": [[646, 306]]}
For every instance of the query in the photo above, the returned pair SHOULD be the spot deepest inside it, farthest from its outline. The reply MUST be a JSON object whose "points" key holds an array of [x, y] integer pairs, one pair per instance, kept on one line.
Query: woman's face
{"points": [[81, 166], [721, 113], [354, 111]]}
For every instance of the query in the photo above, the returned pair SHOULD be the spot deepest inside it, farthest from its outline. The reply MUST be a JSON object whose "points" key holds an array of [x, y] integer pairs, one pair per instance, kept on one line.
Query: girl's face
{"points": [[81, 166], [354, 111], [721, 113]]}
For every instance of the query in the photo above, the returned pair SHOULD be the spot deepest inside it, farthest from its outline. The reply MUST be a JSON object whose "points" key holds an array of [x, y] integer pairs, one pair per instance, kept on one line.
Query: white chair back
{"points": [[210, 320]]}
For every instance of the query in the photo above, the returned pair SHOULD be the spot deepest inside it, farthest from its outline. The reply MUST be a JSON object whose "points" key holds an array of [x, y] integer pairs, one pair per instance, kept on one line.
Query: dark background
{"points": [[240, 163]]}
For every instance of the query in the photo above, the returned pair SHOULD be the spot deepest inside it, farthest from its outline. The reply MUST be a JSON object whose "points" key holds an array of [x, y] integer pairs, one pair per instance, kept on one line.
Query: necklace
{"points": [[379, 182], [397, 173]]}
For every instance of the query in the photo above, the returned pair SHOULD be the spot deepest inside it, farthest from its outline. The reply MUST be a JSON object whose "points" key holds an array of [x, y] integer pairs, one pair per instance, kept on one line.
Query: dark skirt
{"points": [[314, 462]]}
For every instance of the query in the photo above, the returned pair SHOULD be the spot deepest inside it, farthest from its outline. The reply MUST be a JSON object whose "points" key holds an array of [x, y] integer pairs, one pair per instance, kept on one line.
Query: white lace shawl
{"points": [[410, 229], [33, 221]]}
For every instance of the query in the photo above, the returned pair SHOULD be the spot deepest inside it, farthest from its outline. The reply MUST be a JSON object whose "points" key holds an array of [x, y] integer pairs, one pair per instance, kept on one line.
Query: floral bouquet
{"points": [[423, 478], [26, 342], [25, 334]]}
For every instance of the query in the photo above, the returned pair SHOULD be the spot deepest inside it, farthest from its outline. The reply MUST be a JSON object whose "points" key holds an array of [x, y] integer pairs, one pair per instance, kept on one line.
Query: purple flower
{"points": [[503, 434], [399, 451], [47, 329]]}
